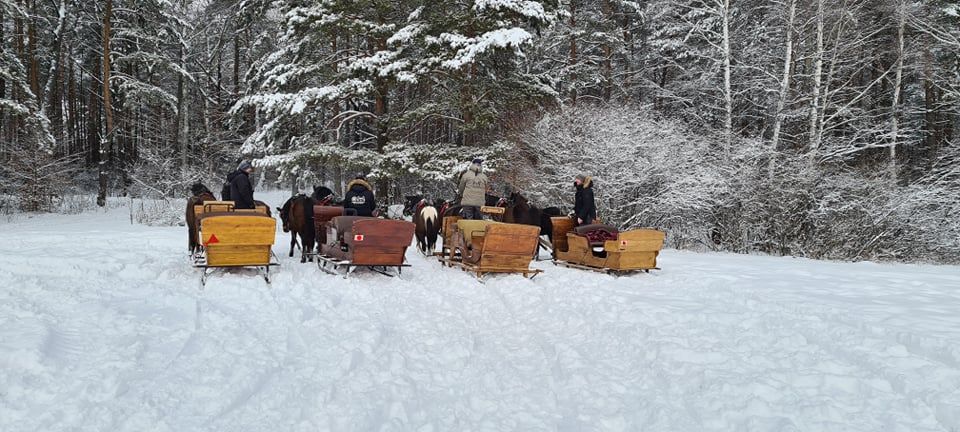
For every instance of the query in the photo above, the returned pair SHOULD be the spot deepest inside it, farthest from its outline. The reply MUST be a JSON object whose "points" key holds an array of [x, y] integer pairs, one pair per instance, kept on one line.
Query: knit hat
{"points": [[244, 165], [477, 161]]}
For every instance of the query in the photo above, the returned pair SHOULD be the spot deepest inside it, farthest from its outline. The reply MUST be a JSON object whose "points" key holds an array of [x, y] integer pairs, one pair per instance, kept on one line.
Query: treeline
{"points": [[146, 96]]}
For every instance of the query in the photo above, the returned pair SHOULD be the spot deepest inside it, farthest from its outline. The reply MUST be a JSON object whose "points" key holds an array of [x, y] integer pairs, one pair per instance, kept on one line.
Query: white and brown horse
{"points": [[426, 217]]}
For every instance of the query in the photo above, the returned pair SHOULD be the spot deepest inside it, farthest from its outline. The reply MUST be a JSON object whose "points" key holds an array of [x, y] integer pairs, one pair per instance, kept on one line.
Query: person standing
{"points": [[472, 190], [241, 189], [360, 197], [584, 208]]}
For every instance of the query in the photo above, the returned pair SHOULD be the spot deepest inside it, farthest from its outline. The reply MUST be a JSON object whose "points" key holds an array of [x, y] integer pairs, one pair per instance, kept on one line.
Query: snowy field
{"points": [[104, 327]]}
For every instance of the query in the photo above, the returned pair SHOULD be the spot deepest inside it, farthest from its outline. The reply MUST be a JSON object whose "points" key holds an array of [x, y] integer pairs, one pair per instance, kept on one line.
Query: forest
{"points": [[816, 128]]}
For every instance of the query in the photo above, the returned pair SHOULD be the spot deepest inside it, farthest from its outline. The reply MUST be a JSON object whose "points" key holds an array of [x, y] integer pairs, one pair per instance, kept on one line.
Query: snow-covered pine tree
{"points": [[591, 53], [365, 85], [29, 167]]}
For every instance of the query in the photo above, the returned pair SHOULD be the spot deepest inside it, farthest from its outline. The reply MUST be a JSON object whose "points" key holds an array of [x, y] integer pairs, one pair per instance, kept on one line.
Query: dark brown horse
{"points": [[519, 211], [297, 217], [198, 195]]}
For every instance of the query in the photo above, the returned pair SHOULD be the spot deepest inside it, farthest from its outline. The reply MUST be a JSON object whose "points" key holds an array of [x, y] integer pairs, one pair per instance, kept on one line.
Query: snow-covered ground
{"points": [[104, 327]]}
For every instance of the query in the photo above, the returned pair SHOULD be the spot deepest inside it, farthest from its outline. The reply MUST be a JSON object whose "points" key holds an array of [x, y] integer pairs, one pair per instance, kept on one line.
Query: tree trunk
{"points": [[72, 107], [895, 103], [727, 91], [572, 62], [33, 63], [787, 68], [107, 136], [236, 64], [466, 104], [3, 89], [817, 77], [607, 90], [182, 117], [930, 99]]}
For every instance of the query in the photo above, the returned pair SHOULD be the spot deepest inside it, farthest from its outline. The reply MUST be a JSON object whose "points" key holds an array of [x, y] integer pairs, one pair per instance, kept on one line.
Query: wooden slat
{"points": [[632, 260], [239, 230], [384, 241], [237, 255], [511, 239], [561, 226]]}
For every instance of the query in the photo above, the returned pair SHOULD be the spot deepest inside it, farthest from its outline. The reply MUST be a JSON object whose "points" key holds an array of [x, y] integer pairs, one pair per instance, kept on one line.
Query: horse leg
{"points": [[303, 252], [308, 245], [293, 242]]}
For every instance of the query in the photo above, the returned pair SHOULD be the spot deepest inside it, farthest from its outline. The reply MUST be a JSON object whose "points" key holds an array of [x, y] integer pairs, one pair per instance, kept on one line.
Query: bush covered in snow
{"points": [[656, 172]]}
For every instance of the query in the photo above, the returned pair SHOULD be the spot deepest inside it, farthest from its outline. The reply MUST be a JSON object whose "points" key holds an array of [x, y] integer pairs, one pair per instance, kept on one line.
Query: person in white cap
{"points": [[472, 190]]}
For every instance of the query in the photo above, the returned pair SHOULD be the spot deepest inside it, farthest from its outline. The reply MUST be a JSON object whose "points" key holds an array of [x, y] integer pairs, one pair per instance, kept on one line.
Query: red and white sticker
{"points": [[623, 242], [358, 238]]}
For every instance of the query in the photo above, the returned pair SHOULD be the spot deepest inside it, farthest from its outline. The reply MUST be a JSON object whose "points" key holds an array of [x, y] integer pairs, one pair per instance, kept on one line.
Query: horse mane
{"points": [[198, 189], [519, 201], [321, 193], [491, 199]]}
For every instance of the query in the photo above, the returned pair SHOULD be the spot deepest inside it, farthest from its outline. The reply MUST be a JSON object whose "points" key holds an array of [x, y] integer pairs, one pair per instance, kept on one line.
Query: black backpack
{"points": [[225, 192]]}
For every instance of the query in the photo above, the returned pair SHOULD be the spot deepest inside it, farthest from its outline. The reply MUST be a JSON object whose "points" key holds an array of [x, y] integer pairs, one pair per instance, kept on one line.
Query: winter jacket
{"points": [[241, 191], [360, 198], [584, 208], [473, 187]]}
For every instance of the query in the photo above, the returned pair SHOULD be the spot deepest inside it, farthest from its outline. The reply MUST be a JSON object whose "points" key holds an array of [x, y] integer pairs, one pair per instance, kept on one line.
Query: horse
{"points": [[426, 217], [198, 195], [297, 217], [519, 211]]}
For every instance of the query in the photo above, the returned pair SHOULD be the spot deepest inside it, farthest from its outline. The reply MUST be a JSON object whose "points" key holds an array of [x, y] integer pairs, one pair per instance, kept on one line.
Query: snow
{"points": [[103, 326], [467, 49]]}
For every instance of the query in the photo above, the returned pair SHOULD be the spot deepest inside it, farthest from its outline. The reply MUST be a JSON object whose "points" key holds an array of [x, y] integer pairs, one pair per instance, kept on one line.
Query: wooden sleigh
{"points": [[209, 207], [624, 252], [449, 227], [233, 239], [482, 247], [358, 241]]}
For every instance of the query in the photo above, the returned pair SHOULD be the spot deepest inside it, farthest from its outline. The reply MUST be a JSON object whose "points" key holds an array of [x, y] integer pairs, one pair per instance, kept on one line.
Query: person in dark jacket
{"points": [[584, 209], [241, 190], [360, 197]]}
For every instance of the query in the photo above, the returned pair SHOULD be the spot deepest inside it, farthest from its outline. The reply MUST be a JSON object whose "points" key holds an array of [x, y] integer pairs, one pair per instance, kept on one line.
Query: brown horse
{"points": [[199, 195], [297, 217], [519, 211]]}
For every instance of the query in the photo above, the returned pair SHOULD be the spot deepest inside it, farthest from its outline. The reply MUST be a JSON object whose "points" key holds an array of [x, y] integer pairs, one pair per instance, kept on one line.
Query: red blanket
{"points": [[599, 236]]}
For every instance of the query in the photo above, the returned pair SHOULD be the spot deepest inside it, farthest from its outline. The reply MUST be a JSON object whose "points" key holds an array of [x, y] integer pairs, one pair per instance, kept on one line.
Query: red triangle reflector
{"points": [[213, 239]]}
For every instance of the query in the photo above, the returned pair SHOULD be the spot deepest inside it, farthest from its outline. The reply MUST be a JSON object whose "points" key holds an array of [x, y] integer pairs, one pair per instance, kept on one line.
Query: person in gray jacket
{"points": [[472, 190]]}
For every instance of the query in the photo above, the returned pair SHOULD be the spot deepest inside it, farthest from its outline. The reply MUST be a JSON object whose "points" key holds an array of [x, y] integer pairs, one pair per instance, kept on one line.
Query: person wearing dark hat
{"points": [[360, 197], [584, 208], [241, 189], [472, 190]]}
